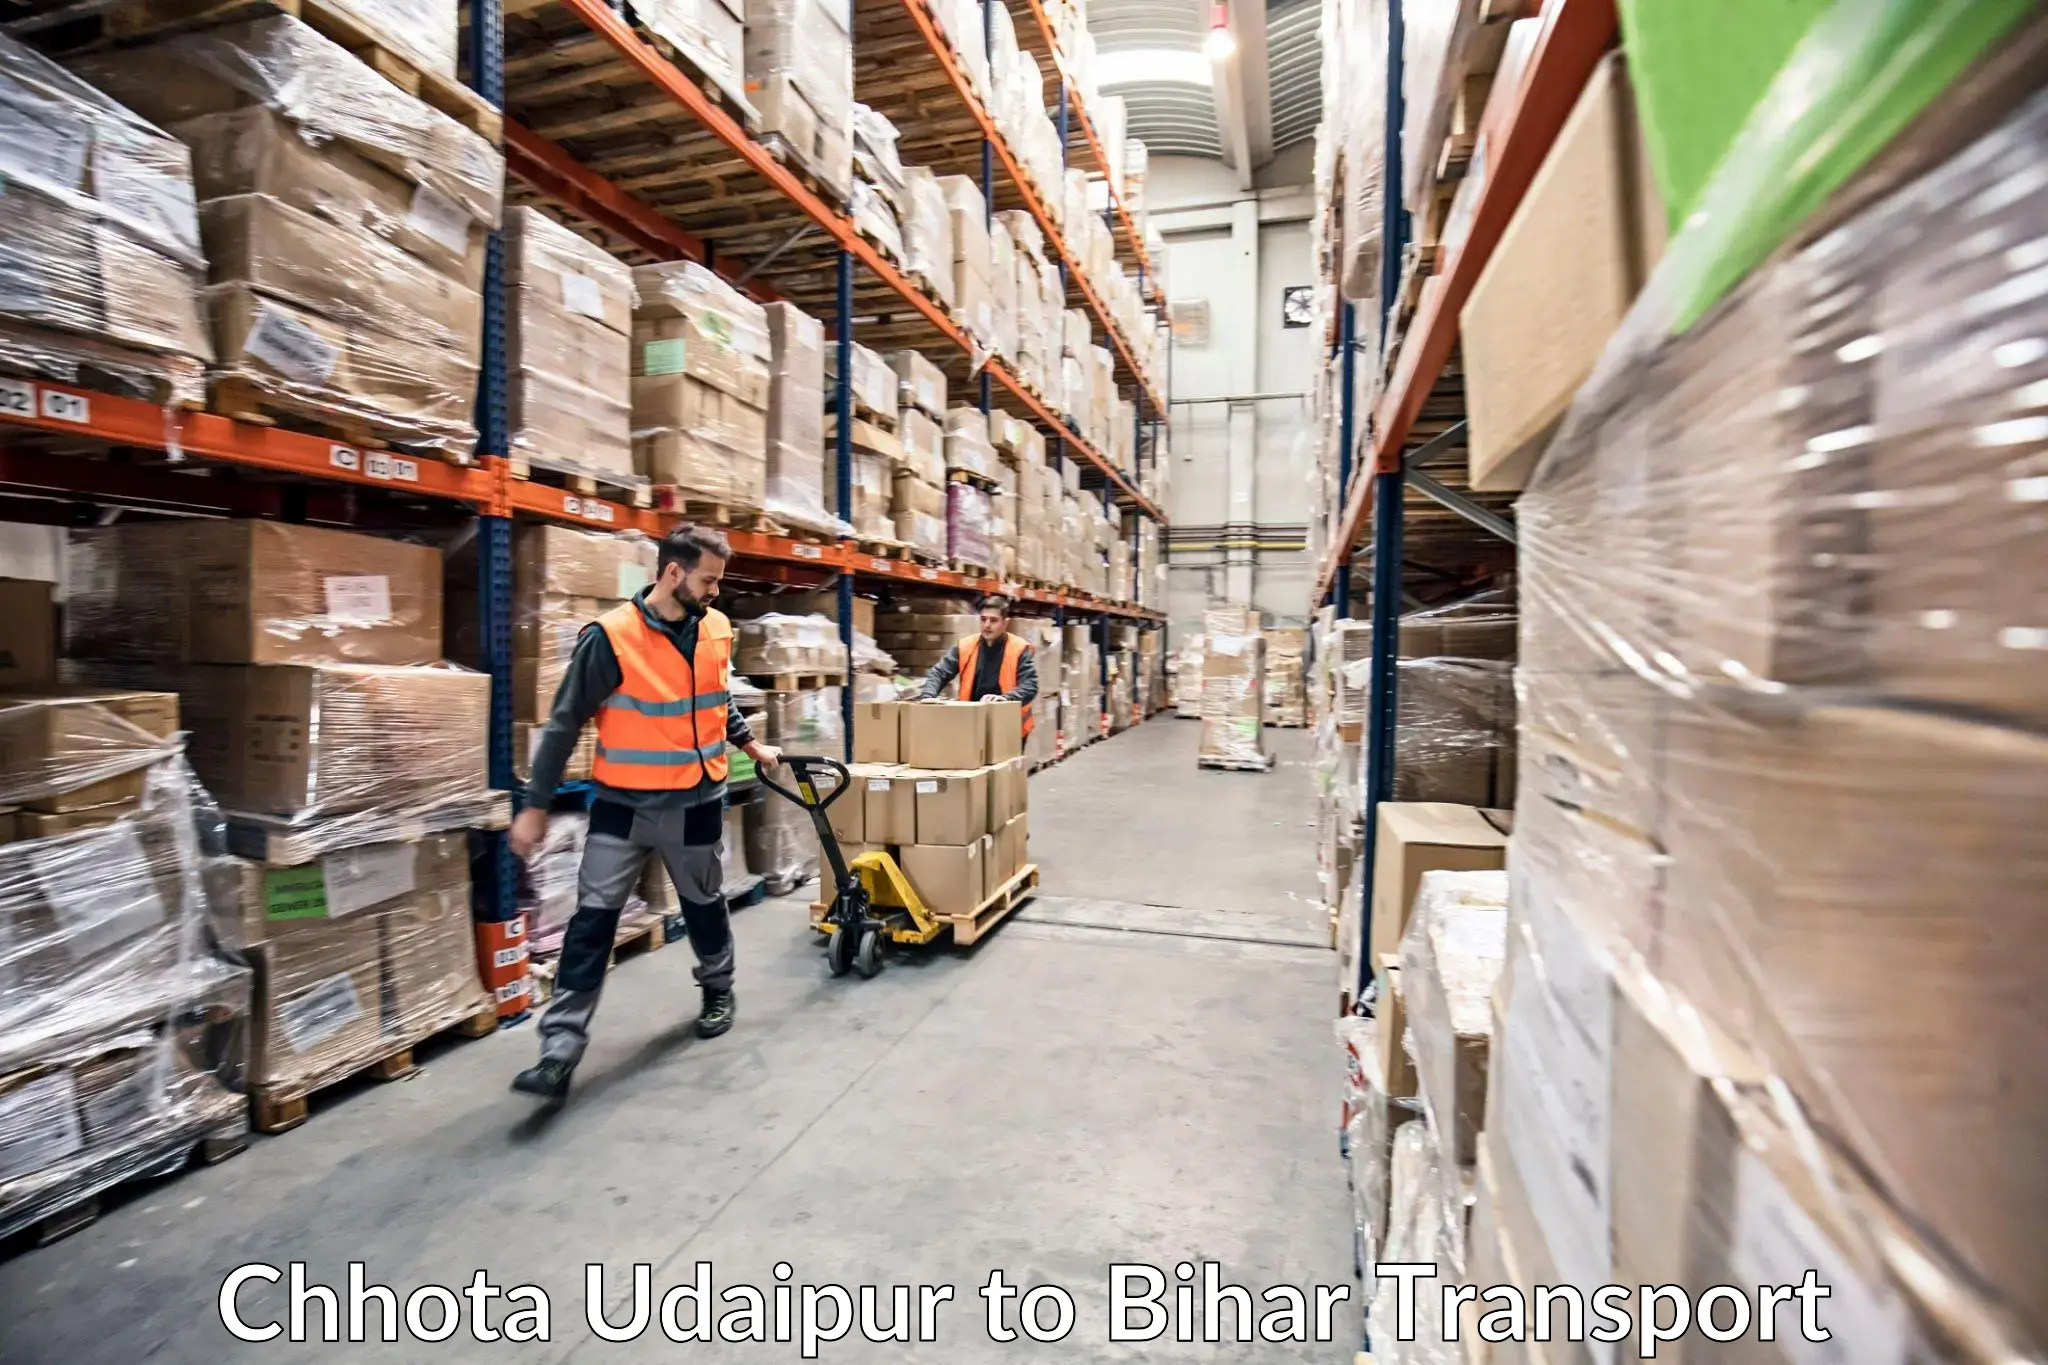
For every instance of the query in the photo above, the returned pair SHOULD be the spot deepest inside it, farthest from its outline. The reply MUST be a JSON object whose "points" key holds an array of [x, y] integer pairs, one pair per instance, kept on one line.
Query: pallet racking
{"points": [[669, 170], [1419, 418]]}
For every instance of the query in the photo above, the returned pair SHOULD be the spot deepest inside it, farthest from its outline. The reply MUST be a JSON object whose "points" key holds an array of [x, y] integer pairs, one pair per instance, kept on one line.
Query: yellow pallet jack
{"points": [[872, 901]]}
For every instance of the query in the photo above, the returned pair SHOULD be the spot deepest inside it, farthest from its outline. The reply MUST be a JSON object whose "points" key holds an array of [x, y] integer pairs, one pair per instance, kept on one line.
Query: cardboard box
{"points": [[1569, 264], [561, 561], [924, 384], [1005, 729], [51, 740], [952, 807], [848, 812], [1420, 837], [1016, 840], [233, 592], [1451, 959], [318, 1005], [28, 633], [1396, 1063], [993, 874], [877, 731], [948, 877], [1006, 791], [325, 739], [544, 336], [890, 814], [945, 735]]}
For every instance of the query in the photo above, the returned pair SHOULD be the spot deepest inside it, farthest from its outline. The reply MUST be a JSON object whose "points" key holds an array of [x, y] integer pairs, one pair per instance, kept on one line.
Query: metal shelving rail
{"points": [[1574, 35], [61, 444]]}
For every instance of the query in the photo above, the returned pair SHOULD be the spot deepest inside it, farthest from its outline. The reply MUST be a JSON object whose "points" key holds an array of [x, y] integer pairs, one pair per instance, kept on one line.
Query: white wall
{"points": [[1239, 462]]}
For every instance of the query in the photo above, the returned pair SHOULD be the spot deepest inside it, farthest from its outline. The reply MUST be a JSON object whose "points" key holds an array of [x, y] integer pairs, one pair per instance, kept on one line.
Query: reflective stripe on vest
{"points": [[664, 729], [1006, 678]]}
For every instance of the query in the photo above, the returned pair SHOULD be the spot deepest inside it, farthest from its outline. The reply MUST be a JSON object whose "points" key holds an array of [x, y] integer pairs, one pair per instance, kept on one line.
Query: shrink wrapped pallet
{"points": [[783, 644], [123, 1031], [874, 384], [711, 33], [799, 69], [874, 153], [1233, 669], [568, 343], [928, 234], [101, 240], [1781, 688], [968, 517], [701, 356], [795, 489]]}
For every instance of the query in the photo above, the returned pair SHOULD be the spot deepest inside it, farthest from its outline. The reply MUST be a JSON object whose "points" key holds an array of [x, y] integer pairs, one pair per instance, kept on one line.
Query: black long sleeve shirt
{"points": [[988, 675], [592, 676]]}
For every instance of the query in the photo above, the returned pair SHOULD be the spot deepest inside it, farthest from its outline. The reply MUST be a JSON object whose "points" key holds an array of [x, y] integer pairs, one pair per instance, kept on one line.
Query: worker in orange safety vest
{"points": [[992, 665]]}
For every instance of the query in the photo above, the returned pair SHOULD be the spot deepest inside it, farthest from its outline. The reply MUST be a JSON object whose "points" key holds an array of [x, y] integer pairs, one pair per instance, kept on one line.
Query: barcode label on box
{"points": [[878, 784], [358, 878], [437, 217], [290, 347], [318, 1014], [927, 786], [358, 599]]}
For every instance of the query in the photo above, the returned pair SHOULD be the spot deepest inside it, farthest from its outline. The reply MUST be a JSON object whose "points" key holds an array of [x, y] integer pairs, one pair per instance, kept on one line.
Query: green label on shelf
{"points": [[742, 769], [662, 357], [294, 893]]}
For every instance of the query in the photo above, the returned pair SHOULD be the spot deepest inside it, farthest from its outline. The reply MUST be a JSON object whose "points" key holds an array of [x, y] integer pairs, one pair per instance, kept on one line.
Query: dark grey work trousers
{"points": [[615, 853]]}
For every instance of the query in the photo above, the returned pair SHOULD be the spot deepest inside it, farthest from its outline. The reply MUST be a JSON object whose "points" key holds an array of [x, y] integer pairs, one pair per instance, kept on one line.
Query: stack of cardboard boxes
{"points": [[941, 786], [918, 629], [97, 282], [918, 499], [307, 668], [1286, 681], [1080, 688], [799, 71], [700, 385], [711, 33], [343, 221], [123, 1032], [569, 348], [795, 491], [973, 257], [927, 233], [1042, 745], [1233, 689]]}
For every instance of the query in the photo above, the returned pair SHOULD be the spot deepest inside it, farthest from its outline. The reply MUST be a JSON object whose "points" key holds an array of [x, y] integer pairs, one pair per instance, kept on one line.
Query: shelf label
{"points": [[928, 575], [66, 407], [807, 551], [596, 509], [17, 398], [345, 457], [380, 465], [883, 565]]}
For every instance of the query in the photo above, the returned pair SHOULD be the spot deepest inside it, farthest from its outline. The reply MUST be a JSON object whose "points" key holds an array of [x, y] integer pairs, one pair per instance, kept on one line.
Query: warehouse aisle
{"points": [[1068, 1095]]}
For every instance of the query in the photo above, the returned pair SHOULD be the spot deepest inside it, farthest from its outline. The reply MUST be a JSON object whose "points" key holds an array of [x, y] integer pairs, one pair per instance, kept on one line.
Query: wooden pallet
{"points": [[255, 405], [968, 929], [638, 940], [1264, 763], [869, 437], [678, 501], [212, 1138], [278, 842], [635, 490], [968, 567], [138, 19], [798, 164], [975, 479], [733, 102], [796, 682], [280, 1113]]}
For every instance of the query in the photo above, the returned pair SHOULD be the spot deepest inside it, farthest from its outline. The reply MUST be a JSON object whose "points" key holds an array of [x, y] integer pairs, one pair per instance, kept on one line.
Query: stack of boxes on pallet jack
{"points": [[1783, 752], [942, 787]]}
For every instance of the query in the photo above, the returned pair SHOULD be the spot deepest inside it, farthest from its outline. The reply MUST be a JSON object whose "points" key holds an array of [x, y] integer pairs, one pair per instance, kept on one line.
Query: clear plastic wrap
{"points": [[1363, 55], [1286, 683], [778, 644], [569, 322], [363, 953], [1455, 740], [123, 1026], [927, 237], [795, 491], [1781, 691], [874, 216], [924, 446], [1416, 1232], [707, 32], [806, 722], [874, 152], [921, 531], [967, 444], [872, 487], [562, 580], [331, 96], [1233, 670], [874, 383], [781, 844], [968, 519], [254, 592], [923, 384], [1451, 956], [701, 361], [740, 877], [799, 68], [101, 248]]}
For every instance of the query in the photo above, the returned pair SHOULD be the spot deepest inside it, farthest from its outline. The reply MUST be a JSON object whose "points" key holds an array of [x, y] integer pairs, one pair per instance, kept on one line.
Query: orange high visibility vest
{"points": [[664, 729], [970, 657]]}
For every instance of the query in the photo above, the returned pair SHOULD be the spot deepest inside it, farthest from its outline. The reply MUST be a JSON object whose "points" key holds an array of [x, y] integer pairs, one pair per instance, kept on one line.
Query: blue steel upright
{"points": [[496, 897], [1347, 401], [842, 449]]}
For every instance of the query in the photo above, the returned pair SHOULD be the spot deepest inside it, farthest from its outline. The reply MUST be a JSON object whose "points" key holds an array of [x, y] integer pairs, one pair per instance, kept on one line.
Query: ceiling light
{"points": [[1221, 42], [1135, 66]]}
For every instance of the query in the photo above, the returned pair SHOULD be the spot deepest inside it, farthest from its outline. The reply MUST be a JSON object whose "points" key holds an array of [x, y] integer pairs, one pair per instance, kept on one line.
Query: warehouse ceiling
{"points": [[1242, 111]]}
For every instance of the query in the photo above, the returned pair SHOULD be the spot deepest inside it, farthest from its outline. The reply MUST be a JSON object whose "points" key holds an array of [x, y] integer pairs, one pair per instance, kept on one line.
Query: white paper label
{"points": [[439, 219], [345, 457], [927, 786], [17, 398], [60, 406], [581, 294], [290, 347], [358, 599], [514, 990], [358, 878], [509, 957], [99, 883], [379, 465], [878, 784], [318, 1014], [1776, 1242], [38, 1125]]}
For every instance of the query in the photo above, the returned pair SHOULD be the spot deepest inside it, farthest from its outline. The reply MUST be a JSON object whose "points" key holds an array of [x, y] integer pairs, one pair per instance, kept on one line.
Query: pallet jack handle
{"points": [[806, 768]]}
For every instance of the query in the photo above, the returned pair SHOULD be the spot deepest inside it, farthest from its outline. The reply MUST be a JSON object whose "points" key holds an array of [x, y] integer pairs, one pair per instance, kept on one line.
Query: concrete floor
{"points": [[1102, 1080]]}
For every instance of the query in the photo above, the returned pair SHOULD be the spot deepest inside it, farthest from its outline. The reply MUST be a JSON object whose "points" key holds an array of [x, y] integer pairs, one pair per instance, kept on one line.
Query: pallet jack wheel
{"points": [[839, 951], [867, 958]]}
